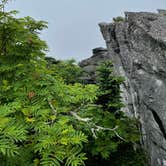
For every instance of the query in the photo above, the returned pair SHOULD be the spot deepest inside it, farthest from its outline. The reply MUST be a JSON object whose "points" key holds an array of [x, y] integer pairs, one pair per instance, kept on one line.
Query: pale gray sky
{"points": [[73, 24]]}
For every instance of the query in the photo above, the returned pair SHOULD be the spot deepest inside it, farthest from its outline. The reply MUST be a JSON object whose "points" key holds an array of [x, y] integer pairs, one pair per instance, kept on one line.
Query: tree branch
{"points": [[116, 133], [103, 128], [79, 118], [96, 127], [93, 133], [52, 107]]}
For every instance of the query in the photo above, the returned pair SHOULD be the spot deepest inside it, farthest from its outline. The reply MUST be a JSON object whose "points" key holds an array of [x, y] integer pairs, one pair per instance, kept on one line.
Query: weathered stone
{"points": [[89, 65], [137, 47]]}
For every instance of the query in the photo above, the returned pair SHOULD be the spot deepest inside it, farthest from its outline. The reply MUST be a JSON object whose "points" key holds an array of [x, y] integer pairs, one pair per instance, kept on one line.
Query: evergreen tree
{"points": [[109, 88], [119, 129]]}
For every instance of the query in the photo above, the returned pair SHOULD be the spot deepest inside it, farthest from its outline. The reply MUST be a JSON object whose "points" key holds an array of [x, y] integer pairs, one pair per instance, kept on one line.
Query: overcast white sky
{"points": [[73, 24]]}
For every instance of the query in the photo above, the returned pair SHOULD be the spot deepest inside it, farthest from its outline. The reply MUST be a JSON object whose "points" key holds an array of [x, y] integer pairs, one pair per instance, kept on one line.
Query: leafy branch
{"points": [[96, 128]]}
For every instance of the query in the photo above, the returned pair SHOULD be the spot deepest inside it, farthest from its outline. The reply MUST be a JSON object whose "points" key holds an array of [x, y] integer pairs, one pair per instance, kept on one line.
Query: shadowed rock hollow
{"points": [[137, 48]]}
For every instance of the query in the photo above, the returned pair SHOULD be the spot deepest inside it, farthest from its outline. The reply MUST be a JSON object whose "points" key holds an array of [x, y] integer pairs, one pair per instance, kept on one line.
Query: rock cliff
{"points": [[137, 48]]}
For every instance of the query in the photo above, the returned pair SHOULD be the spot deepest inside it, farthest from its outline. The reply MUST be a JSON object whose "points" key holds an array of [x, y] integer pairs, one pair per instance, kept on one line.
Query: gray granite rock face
{"points": [[137, 47]]}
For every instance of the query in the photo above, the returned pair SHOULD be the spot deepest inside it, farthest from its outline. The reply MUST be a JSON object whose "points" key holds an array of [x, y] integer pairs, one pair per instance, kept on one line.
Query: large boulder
{"points": [[137, 48]]}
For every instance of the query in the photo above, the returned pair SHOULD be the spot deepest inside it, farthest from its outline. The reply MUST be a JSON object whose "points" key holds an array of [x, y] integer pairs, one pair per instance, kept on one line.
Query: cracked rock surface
{"points": [[137, 48]]}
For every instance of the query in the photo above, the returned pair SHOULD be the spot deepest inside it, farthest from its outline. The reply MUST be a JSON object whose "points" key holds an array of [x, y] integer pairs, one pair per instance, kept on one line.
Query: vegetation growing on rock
{"points": [[118, 19]]}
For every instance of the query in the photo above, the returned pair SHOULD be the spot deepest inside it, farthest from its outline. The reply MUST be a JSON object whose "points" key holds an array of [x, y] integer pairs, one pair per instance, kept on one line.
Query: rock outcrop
{"points": [[137, 48], [89, 65]]}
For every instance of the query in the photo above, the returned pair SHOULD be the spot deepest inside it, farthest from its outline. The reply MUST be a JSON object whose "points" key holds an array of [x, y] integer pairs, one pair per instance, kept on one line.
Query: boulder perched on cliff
{"points": [[89, 65], [137, 48]]}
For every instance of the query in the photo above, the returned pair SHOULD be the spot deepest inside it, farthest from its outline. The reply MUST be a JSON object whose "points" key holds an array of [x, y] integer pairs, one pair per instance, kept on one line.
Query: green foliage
{"points": [[36, 125], [118, 19], [68, 70], [108, 114], [109, 86], [3, 3], [46, 133], [126, 155], [108, 146], [47, 118]]}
